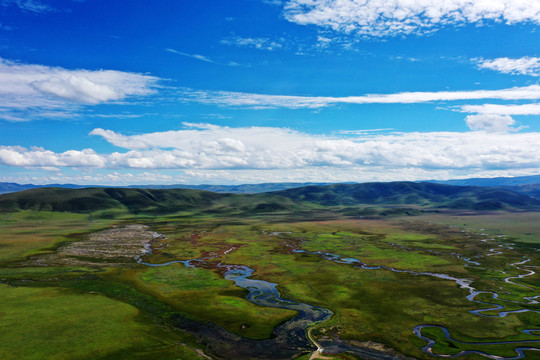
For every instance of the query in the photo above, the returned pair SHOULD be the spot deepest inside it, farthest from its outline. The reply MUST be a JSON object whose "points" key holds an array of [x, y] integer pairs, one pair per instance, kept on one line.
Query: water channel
{"points": [[291, 338]]}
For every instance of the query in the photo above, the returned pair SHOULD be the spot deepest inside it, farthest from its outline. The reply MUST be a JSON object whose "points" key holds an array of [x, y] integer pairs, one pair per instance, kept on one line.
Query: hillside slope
{"points": [[410, 193], [137, 200], [428, 195], [531, 190], [6, 188], [495, 182]]}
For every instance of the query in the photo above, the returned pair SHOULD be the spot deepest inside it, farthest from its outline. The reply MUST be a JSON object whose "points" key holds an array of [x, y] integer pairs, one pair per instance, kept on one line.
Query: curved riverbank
{"points": [[289, 339]]}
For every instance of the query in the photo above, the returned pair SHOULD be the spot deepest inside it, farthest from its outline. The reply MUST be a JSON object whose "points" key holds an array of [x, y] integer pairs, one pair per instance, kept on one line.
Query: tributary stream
{"points": [[291, 338]]}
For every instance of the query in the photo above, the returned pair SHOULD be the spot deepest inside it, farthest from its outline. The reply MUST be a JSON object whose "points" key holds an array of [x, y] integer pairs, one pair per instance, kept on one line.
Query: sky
{"points": [[253, 91]]}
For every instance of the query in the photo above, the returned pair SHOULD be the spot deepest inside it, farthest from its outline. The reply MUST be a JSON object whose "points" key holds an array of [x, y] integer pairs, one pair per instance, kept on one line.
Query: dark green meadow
{"points": [[65, 302]]}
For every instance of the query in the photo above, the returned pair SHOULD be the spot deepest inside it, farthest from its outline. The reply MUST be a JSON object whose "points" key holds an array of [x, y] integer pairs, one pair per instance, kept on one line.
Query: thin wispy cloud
{"points": [[90, 177], [402, 17], [273, 2], [33, 6], [202, 58], [255, 43], [5, 27], [193, 56], [523, 109], [521, 66], [262, 101]]}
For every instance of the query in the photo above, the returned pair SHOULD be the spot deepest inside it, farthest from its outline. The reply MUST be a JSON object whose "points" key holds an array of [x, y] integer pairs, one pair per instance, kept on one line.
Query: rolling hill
{"points": [[429, 195], [137, 200], [6, 187], [497, 181], [411, 193], [531, 190]]}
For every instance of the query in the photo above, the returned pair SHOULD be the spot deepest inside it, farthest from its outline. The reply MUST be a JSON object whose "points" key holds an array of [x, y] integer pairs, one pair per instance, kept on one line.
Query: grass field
{"points": [[27, 233], [47, 323], [109, 311]]}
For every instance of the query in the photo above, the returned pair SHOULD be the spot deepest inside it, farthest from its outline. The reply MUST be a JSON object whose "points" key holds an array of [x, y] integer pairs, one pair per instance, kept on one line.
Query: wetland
{"points": [[320, 283]]}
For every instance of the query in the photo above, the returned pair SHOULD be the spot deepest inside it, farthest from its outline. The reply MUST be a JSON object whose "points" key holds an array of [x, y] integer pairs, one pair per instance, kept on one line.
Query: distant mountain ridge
{"points": [[512, 183], [532, 190], [427, 195], [498, 181], [412, 193], [526, 185], [136, 200], [6, 187]]}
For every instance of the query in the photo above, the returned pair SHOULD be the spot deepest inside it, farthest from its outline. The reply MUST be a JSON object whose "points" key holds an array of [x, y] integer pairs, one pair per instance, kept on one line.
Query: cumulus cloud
{"points": [[222, 154], [40, 89], [254, 100], [522, 66], [401, 17], [256, 43], [215, 147], [217, 154], [490, 122], [38, 157]]}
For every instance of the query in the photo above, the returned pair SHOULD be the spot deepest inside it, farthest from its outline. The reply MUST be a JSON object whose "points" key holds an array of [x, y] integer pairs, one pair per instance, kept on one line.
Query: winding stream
{"points": [[473, 293], [291, 337], [519, 350]]}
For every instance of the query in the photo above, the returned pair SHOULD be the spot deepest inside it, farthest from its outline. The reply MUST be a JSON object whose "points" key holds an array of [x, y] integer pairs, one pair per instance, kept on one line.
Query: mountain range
{"points": [[426, 195], [528, 185]]}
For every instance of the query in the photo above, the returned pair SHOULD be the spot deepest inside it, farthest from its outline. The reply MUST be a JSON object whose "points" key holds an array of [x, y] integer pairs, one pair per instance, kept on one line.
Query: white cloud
{"points": [[335, 175], [256, 43], [498, 109], [36, 89], [116, 178], [77, 88], [17, 156], [214, 147], [201, 58], [209, 151], [253, 100], [315, 174], [490, 122], [257, 101], [522, 66], [193, 56], [401, 17]]}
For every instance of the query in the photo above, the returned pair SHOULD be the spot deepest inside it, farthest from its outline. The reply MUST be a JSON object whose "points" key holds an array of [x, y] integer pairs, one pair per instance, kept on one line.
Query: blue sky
{"points": [[247, 91]]}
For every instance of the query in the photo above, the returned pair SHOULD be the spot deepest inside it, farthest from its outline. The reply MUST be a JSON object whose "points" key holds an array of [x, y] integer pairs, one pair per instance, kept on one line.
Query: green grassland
{"points": [[522, 227], [27, 233], [363, 300], [97, 311], [206, 295], [52, 323]]}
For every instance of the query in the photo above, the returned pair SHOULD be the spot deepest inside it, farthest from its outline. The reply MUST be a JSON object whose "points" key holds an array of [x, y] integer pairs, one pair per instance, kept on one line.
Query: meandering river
{"points": [[473, 293], [291, 338]]}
